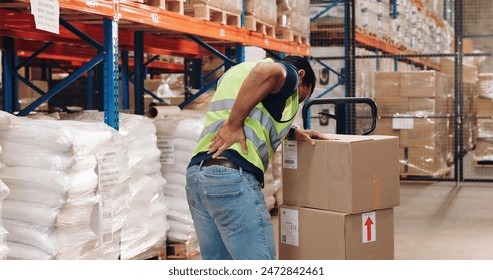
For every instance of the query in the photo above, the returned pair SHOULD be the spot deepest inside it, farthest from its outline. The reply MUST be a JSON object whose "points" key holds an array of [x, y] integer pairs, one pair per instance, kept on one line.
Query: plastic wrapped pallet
{"points": [[144, 235], [235, 6], [294, 15], [486, 85], [68, 184], [263, 10], [413, 106], [177, 135], [4, 250]]}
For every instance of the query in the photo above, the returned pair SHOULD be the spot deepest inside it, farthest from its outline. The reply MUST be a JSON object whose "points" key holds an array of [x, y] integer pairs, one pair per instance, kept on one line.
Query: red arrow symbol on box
{"points": [[368, 224]]}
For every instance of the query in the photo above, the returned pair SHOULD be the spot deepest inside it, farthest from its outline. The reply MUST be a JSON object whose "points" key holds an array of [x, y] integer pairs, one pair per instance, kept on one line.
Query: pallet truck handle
{"points": [[340, 112]]}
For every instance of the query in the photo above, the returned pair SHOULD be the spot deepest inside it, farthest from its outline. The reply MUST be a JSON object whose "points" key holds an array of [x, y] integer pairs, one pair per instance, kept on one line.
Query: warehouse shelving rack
{"points": [[350, 36], [93, 33]]}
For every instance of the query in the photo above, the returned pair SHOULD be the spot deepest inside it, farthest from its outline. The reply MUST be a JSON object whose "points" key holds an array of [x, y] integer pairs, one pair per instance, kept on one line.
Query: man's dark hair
{"points": [[302, 63]]}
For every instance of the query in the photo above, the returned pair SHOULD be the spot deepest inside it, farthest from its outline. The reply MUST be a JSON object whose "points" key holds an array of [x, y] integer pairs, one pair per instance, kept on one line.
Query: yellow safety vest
{"points": [[264, 134]]}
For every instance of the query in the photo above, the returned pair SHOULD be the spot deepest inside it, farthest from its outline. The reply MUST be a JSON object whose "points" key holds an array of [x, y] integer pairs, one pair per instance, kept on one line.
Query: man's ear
{"points": [[301, 73]]}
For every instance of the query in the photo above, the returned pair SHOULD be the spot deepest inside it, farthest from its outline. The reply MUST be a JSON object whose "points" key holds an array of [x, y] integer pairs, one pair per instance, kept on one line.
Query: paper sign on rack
{"points": [[46, 15]]}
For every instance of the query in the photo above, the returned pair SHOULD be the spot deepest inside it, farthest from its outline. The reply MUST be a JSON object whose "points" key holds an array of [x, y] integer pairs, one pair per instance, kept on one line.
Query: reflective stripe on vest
{"points": [[264, 134]]}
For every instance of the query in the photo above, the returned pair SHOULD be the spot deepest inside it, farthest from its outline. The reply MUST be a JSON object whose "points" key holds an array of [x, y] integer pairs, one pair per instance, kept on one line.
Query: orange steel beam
{"points": [[158, 18], [79, 60], [19, 25], [385, 47]]}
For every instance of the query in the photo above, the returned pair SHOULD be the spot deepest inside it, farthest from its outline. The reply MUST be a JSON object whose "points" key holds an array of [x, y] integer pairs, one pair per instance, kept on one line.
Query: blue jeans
{"points": [[229, 214]]}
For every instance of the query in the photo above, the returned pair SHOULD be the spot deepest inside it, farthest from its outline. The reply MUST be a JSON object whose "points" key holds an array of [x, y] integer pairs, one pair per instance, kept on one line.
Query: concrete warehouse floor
{"points": [[441, 221]]}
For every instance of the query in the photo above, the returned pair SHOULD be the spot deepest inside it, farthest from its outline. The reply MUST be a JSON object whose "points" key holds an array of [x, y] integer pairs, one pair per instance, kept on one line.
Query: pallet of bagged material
{"points": [[258, 26], [182, 250], [155, 252], [292, 36], [213, 14], [160, 256]]}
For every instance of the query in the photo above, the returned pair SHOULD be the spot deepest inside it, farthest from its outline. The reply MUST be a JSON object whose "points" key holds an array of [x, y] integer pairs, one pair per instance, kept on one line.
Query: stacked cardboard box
{"points": [[235, 6], [27, 95], [294, 15], [338, 198], [484, 113], [373, 17], [470, 95], [413, 106], [263, 10]]}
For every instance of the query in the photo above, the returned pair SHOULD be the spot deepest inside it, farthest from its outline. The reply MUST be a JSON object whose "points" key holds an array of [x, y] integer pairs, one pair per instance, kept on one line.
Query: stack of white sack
{"points": [[178, 134], [4, 250], [273, 180], [68, 184], [144, 235]]}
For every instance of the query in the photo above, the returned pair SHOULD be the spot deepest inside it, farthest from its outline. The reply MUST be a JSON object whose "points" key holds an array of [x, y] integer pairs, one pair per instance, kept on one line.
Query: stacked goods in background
{"points": [[177, 136], [413, 106], [235, 6], [4, 191], [261, 16], [373, 17], [483, 154], [293, 20], [144, 235], [328, 83], [224, 12], [419, 29], [470, 74], [27, 95], [68, 184], [411, 28], [338, 198], [169, 87]]}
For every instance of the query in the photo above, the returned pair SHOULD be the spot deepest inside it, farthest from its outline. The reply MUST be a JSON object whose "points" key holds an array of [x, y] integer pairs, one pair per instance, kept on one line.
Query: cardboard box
{"points": [[350, 174], [387, 83], [486, 85], [425, 132], [469, 71], [484, 107], [27, 95], [313, 234], [422, 84], [390, 105], [384, 127]]}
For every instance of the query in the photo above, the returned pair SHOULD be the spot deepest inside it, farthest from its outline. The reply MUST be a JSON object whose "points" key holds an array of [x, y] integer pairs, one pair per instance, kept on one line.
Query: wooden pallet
{"points": [[292, 36], [160, 256], [182, 250], [442, 173], [483, 163], [175, 6], [213, 14], [253, 24]]}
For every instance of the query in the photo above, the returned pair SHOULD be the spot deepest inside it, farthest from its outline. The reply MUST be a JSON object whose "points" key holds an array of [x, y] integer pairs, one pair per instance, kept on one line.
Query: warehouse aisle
{"points": [[444, 221], [441, 221]]}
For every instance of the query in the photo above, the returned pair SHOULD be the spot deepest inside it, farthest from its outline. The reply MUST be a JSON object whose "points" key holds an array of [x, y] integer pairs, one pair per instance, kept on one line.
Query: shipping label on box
{"points": [[290, 154], [289, 227], [402, 122]]}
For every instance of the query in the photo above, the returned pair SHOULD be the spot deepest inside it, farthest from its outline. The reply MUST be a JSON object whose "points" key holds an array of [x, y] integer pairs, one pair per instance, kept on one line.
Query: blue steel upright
{"points": [[8, 66], [111, 116], [139, 72]]}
